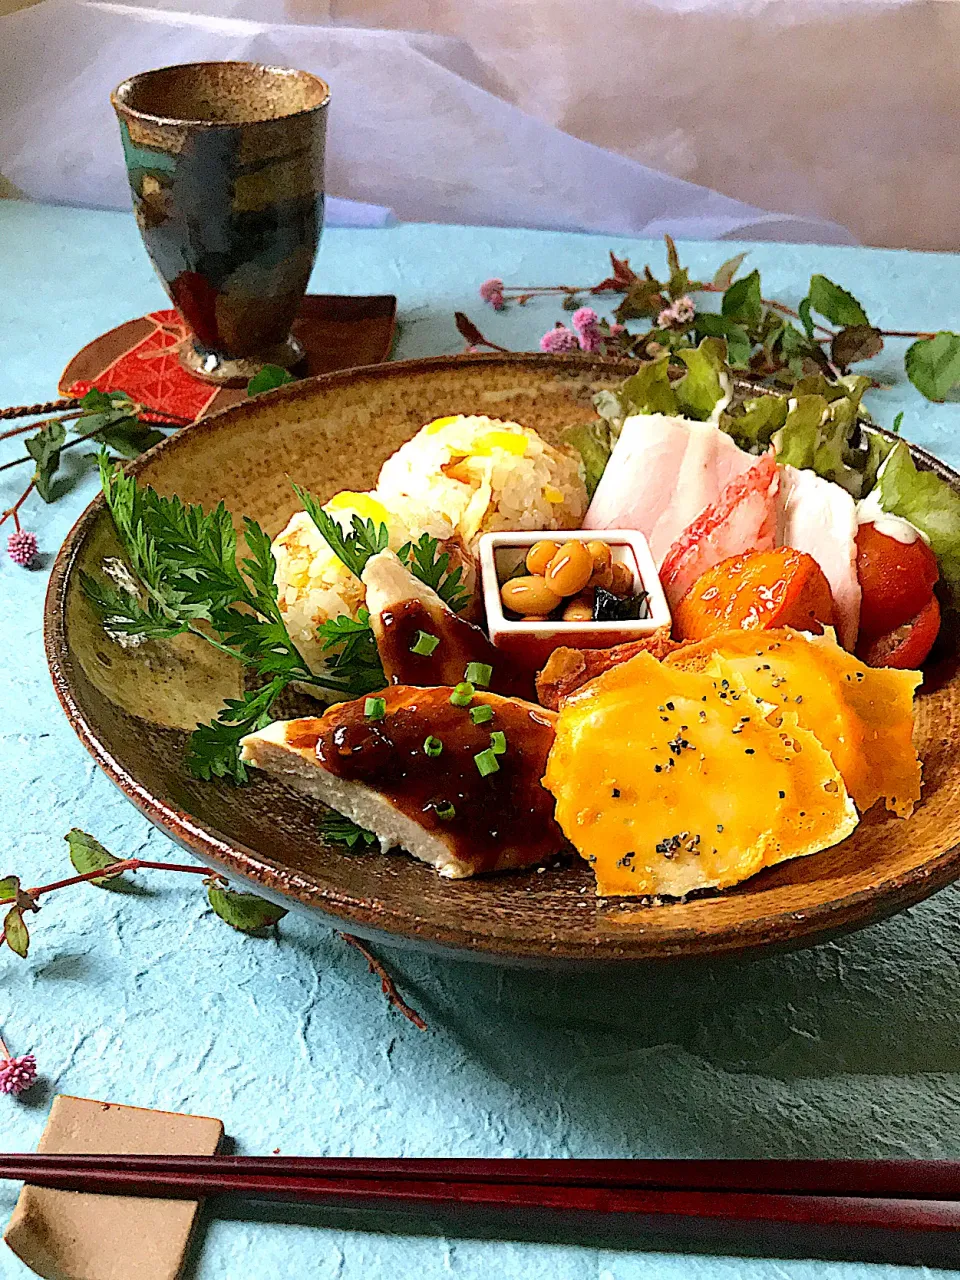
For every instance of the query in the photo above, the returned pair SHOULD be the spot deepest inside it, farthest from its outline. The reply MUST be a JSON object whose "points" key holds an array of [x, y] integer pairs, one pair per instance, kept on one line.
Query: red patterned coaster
{"points": [[140, 357]]}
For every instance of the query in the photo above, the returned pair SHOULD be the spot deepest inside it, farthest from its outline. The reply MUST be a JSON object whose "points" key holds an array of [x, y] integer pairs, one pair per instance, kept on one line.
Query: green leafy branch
{"points": [[95, 865], [768, 342]]}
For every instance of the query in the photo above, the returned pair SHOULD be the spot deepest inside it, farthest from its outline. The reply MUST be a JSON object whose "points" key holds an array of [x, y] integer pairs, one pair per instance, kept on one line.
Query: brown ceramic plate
{"points": [[132, 708]]}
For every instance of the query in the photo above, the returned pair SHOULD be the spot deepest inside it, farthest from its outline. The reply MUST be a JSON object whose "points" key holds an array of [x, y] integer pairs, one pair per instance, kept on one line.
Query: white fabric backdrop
{"points": [[554, 113]]}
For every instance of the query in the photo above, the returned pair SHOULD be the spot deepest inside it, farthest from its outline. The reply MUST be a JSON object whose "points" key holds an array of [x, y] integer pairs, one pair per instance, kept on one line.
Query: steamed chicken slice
{"points": [[663, 472], [862, 715], [669, 781], [402, 608], [819, 517], [461, 815]]}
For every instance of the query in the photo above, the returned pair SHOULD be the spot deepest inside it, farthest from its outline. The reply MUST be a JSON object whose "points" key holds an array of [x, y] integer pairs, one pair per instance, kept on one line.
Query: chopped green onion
{"points": [[486, 763], [481, 713], [374, 708], [498, 742], [445, 811], [432, 746], [478, 673], [424, 644], [462, 694]]}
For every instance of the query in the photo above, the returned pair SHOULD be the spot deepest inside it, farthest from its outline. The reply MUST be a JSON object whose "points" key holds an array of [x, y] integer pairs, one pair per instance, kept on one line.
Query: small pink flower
{"points": [[559, 340], [591, 339], [617, 329], [22, 548], [17, 1074], [679, 313], [492, 291], [584, 318]]}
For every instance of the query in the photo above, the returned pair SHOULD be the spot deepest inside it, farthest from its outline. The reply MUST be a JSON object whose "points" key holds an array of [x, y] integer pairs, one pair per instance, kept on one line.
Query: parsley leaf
{"points": [[339, 829]]}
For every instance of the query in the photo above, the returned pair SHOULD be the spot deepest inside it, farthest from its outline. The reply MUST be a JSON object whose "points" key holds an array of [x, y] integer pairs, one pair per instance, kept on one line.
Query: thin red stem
{"points": [[19, 431], [387, 984], [3, 1048], [128, 864], [12, 511]]}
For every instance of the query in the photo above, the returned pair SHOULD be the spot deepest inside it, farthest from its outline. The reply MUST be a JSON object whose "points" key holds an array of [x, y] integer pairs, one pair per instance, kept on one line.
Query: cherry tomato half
{"points": [[896, 579], [905, 646]]}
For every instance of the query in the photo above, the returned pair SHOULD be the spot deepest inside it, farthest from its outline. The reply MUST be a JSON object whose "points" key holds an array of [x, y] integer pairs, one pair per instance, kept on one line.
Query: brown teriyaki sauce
{"points": [[502, 820], [461, 642]]}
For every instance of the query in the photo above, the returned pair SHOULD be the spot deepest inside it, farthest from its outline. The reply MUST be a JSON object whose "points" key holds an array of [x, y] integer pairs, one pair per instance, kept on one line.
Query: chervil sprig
{"points": [[184, 576], [427, 562], [353, 549]]}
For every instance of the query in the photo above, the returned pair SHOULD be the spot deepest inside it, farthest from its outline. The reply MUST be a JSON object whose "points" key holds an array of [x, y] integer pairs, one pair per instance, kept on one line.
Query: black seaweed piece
{"points": [[610, 608]]}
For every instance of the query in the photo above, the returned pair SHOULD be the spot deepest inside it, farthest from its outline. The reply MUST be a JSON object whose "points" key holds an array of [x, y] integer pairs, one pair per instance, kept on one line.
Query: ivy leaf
{"points": [[933, 366], [803, 310], [243, 911], [18, 936], [739, 346], [835, 304], [742, 301], [724, 276], [856, 342], [339, 829], [88, 854], [128, 436], [268, 378], [673, 258], [645, 298], [45, 448], [623, 276]]}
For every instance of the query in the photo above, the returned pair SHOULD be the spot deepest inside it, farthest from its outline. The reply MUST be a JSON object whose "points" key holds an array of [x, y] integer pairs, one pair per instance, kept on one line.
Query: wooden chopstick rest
{"points": [[70, 1235]]}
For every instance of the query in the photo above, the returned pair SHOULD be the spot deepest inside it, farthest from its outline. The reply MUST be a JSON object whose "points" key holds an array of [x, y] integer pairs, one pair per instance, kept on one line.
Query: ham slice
{"points": [[663, 472], [817, 516], [743, 518]]}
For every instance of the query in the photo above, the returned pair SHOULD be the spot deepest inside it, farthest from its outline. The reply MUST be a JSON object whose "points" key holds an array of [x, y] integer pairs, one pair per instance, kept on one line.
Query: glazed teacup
{"points": [[225, 161]]}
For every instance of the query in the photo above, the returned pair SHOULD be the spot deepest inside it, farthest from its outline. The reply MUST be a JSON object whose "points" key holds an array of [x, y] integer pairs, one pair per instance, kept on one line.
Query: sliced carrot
{"points": [[755, 591]]}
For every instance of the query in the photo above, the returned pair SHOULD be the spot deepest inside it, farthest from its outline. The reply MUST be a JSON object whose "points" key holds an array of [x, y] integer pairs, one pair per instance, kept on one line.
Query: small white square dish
{"points": [[531, 641]]}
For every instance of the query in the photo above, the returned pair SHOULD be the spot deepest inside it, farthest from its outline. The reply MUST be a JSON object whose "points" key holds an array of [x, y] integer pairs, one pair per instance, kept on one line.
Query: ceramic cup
{"points": [[225, 161]]}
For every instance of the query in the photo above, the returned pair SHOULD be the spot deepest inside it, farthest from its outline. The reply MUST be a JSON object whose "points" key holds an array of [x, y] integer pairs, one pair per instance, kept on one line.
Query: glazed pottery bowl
{"points": [[133, 707]]}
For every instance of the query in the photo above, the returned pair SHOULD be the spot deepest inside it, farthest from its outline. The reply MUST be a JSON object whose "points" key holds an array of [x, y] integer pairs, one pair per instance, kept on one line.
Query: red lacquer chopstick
{"points": [[889, 1179], [648, 1207]]}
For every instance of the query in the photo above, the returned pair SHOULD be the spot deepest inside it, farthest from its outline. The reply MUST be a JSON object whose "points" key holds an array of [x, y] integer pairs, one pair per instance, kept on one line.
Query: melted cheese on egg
{"points": [[667, 781], [862, 715]]}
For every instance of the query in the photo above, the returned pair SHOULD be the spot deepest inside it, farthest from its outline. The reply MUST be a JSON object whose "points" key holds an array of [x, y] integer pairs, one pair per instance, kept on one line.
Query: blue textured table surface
{"points": [[849, 1049]]}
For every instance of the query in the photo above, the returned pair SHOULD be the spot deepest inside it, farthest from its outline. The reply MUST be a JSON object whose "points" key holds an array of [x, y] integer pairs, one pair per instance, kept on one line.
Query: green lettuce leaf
{"points": [[929, 503], [753, 428], [706, 381], [592, 441]]}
